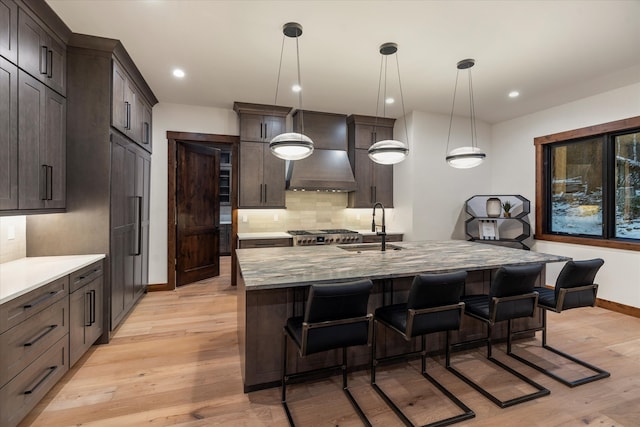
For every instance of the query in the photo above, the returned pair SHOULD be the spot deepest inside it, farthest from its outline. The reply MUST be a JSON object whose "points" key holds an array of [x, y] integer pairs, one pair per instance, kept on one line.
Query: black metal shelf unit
{"points": [[504, 229]]}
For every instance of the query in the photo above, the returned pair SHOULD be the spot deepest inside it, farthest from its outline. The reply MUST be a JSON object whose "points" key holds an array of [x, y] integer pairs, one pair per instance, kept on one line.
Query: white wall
{"points": [[514, 172], [178, 118], [429, 194]]}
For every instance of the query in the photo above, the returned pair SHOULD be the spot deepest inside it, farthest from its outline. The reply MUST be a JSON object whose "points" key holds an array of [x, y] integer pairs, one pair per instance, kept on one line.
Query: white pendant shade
{"points": [[388, 152], [465, 157], [291, 146]]}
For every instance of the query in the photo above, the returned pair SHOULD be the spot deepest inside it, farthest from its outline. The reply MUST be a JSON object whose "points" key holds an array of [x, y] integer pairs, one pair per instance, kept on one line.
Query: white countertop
{"points": [[264, 235], [26, 274]]}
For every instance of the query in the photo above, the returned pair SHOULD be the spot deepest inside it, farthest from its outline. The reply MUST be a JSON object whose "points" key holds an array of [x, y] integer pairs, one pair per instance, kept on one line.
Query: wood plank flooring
{"points": [[175, 361]]}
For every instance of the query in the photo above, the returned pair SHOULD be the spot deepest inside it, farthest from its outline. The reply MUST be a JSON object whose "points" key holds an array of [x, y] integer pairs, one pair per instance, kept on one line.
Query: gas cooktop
{"points": [[324, 237]]}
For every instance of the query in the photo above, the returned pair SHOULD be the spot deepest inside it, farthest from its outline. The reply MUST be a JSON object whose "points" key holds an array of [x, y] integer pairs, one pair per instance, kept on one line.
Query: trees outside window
{"points": [[588, 185]]}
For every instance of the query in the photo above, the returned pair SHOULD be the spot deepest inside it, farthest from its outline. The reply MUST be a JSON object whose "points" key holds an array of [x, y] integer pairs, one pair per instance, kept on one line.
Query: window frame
{"points": [[542, 149]]}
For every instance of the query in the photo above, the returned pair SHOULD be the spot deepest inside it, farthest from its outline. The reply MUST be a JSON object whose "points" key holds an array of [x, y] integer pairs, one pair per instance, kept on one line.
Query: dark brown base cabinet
{"points": [[85, 310]]}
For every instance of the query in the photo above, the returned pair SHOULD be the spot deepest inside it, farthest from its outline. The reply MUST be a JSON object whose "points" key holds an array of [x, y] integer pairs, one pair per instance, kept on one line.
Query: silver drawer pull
{"points": [[50, 370], [41, 335], [40, 300]]}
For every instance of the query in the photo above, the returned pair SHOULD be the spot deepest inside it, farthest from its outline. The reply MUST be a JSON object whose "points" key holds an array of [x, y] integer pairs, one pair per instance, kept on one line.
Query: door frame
{"points": [[215, 141]]}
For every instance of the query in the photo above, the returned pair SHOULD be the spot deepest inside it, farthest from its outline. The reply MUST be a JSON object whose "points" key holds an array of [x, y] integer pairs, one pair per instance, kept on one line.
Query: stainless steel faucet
{"points": [[383, 233]]}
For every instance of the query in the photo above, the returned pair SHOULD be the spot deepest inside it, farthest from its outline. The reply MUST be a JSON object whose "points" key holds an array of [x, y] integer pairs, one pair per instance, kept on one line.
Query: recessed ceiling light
{"points": [[389, 100], [296, 88], [178, 73], [514, 94]]}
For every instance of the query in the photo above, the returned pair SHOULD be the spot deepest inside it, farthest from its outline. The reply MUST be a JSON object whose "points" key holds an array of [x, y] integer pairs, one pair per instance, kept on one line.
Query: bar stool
{"points": [[433, 306], [511, 296], [574, 288], [336, 316]]}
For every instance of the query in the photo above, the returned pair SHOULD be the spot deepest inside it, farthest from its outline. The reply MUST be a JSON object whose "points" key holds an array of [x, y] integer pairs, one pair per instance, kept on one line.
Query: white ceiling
{"points": [[553, 52]]}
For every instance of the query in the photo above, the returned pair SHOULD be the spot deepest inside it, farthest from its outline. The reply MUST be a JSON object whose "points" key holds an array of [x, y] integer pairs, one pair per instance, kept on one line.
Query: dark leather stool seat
{"points": [[574, 288], [511, 296], [433, 305], [336, 317]]}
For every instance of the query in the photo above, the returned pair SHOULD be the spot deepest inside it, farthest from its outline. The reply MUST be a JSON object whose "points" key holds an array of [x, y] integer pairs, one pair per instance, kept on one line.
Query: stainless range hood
{"points": [[324, 170]]}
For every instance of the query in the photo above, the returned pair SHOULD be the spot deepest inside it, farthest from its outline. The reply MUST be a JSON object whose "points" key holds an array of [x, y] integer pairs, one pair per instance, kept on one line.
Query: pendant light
{"points": [[291, 145], [389, 151], [469, 156]]}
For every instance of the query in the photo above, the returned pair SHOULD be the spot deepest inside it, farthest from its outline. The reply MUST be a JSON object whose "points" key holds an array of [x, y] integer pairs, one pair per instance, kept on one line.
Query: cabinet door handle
{"points": [[50, 64], [50, 370], [371, 198], [92, 311], [261, 131], [46, 331], [40, 300], [375, 193], [261, 192], [44, 177], [145, 137], [137, 229], [50, 183], [265, 132], [127, 118], [43, 59], [265, 193]]}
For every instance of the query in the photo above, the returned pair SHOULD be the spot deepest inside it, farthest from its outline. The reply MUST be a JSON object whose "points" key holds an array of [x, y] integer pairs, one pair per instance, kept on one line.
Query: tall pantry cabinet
{"points": [[109, 166]]}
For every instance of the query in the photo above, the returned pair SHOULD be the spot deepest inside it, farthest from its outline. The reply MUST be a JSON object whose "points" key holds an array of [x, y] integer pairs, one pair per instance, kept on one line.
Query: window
{"points": [[588, 185]]}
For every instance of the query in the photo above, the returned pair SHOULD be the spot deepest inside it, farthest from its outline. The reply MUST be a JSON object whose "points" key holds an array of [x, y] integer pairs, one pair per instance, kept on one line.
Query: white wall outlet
{"points": [[275, 217], [245, 218], [11, 232], [358, 217]]}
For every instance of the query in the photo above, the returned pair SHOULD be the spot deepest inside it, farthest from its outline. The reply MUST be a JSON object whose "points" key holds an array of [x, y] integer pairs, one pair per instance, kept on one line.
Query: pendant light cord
{"points": [[275, 101], [453, 104], [404, 114], [472, 111], [300, 91]]}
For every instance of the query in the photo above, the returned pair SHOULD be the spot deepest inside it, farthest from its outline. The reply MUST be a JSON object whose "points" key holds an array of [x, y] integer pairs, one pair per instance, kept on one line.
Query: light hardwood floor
{"points": [[175, 361]]}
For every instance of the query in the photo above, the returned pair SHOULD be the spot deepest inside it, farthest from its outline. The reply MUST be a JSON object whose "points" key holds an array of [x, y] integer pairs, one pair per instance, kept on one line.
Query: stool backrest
{"points": [[434, 303], [509, 284], [337, 316], [578, 274]]}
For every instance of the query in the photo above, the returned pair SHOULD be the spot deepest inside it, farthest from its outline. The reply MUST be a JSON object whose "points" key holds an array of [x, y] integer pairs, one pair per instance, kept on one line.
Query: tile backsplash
{"points": [[308, 210], [13, 238]]}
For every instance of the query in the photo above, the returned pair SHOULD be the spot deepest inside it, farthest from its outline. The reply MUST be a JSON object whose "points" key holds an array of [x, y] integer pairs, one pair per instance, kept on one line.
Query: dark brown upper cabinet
{"points": [[9, 30], [41, 53], [8, 135], [261, 181], [41, 141], [374, 181]]}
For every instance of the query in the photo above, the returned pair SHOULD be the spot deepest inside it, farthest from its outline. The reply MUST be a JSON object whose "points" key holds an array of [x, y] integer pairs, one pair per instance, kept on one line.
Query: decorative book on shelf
{"points": [[498, 219]]}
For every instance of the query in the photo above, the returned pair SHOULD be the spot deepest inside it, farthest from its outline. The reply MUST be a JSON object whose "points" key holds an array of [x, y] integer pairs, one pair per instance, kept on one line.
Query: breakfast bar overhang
{"points": [[273, 283]]}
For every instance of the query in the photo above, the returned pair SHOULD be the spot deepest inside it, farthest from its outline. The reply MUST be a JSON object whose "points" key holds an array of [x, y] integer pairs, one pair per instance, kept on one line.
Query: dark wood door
{"points": [[198, 213]]}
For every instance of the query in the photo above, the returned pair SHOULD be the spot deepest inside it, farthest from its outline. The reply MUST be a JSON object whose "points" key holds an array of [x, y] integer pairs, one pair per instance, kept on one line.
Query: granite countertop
{"points": [[264, 235], [26, 274], [272, 268]]}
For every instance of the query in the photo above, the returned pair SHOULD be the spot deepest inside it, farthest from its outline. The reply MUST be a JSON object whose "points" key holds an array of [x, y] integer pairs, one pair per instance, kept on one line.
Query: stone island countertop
{"points": [[273, 268]]}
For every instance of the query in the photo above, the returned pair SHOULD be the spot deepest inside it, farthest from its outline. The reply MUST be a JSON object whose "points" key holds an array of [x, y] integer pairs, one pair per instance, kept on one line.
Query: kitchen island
{"points": [[273, 283]]}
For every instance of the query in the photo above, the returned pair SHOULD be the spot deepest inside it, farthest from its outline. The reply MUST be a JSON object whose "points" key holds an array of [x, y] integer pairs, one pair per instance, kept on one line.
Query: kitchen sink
{"points": [[369, 247]]}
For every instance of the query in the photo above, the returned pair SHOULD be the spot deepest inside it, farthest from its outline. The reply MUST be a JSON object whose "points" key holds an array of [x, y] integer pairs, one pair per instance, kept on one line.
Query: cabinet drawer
{"points": [[378, 239], [22, 393], [265, 243], [86, 275], [23, 343], [19, 309]]}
